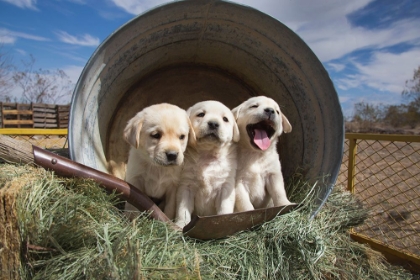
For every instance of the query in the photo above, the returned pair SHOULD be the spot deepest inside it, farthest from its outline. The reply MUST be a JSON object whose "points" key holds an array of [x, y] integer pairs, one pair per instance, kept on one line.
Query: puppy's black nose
{"points": [[269, 111], [213, 125], [171, 156]]}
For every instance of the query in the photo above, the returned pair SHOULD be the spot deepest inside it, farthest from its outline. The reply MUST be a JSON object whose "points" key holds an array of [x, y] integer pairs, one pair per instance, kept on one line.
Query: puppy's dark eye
{"points": [[156, 135], [225, 119], [278, 112], [254, 106], [201, 115], [182, 137]]}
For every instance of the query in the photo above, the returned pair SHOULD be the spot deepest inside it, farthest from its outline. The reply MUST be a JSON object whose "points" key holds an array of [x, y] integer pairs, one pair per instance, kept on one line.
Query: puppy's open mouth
{"points": [[260, 134]]}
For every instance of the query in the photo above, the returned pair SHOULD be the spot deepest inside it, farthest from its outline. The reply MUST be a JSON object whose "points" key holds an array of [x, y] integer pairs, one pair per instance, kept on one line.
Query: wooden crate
{"points": [[34, 115], [16, 115]]}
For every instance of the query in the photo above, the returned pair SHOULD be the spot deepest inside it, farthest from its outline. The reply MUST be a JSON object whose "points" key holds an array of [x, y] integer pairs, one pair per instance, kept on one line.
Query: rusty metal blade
{"points": [[219, 226], [68, 168]]}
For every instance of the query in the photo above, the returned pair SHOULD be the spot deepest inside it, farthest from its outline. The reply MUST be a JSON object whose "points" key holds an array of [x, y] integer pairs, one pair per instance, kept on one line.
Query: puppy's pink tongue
{"points": [[261, 139]]}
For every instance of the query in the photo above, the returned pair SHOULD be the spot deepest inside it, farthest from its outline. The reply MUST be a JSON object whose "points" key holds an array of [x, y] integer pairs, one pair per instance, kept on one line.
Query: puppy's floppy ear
{"points": [[189, 111], [236, 111], [236, 134], [192, 140], [132, 130], [287, 127]]}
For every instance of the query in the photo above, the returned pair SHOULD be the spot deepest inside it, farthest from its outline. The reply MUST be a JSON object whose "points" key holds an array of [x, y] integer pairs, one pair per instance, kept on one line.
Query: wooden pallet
{"points": [[34, 115]]}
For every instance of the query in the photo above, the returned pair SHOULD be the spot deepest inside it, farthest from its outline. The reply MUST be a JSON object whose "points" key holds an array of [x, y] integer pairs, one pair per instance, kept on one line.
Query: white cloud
{"points": [[324, 26], [73, 72], [24, 4], [340, 38], [351, 81], [136, 7], [21, 52], [298, 13], [337, 67], [84, 40], [9, 37], [344, 99], [388, 71], [385, 71], [81, 2]]}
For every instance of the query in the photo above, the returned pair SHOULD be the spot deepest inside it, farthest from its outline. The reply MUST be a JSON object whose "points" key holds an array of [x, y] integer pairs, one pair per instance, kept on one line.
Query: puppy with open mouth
{"points": [[207, 184], [259, 181], [158, 136]]}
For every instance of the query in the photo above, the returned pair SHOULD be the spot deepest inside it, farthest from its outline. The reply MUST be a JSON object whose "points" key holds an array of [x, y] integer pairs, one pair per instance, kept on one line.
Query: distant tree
{"points": [[412, 90], [366, 116], [412, 93], [407, 114], [365, 112], [6, 69], [412, 87], [42, 86]]}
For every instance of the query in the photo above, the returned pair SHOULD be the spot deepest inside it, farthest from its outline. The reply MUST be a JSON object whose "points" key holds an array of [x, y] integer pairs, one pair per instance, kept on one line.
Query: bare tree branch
{"points": [[6, 70], [412, 87], [42, 86]]}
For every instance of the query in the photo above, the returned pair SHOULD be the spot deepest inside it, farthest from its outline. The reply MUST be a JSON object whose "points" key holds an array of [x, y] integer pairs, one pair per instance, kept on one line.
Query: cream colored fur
{"points": [[259, 181], [158, 136], [207, 184]]}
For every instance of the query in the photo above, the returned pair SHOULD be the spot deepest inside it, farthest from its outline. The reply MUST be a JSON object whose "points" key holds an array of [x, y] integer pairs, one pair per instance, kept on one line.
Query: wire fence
{"points": [[383, 171], [44, 138]]}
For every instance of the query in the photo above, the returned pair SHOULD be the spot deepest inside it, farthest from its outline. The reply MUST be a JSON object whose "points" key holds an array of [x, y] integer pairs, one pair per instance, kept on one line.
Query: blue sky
{"points": [[369, 48]]}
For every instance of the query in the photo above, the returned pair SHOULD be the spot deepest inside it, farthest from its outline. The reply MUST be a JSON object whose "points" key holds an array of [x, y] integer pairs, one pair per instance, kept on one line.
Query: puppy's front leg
{"points": [[185, 206], [170, 203], [242, 199], [275, 187], [226, 198]]}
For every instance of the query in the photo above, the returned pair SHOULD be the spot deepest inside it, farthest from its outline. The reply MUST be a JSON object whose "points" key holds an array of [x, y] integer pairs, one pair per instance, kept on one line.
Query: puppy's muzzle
{"points": [[171, 156], [213, 125], [269, 112], [212, 130]]}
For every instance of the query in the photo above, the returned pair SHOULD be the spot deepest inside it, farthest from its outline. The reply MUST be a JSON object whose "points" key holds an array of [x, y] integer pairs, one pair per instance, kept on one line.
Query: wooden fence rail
{"points": [[33, 115]]}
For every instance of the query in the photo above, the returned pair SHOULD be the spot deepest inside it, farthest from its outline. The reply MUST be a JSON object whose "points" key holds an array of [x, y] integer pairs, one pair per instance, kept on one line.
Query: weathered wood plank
{"points": [[17, 112], [18, 122]]}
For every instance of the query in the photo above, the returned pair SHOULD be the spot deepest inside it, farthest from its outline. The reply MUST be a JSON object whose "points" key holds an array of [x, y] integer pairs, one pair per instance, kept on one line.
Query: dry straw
{"points": [[72, 230]]}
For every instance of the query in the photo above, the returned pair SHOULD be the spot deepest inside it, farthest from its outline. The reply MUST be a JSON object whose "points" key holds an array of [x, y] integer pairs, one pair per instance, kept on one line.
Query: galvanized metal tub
{"points": [[189, 51]]}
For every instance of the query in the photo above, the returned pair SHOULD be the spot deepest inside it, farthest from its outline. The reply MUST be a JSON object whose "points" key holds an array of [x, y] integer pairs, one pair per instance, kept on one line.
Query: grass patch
{"points": [[71, 229]]}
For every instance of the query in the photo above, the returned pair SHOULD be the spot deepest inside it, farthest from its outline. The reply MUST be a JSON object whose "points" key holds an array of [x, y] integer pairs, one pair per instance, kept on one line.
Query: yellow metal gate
{"points": [[383, 171]]}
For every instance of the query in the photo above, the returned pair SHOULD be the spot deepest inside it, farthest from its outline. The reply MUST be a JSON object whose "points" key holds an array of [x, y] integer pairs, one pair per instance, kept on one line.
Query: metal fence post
{"points": [[352, 164]]}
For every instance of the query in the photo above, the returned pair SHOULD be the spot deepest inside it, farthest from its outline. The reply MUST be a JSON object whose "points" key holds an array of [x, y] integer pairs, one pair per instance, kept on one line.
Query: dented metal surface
{"points": [[189, 51], [220, 226]]}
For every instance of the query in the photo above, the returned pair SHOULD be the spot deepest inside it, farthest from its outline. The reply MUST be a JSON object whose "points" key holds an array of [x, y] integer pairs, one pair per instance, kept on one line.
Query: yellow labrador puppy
{"points": [[158, 136], [207, 184], [259, 181]]}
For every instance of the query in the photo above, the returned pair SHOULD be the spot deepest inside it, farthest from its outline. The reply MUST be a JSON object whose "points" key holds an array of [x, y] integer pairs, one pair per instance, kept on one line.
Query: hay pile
{"points": [[71, 229]]}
